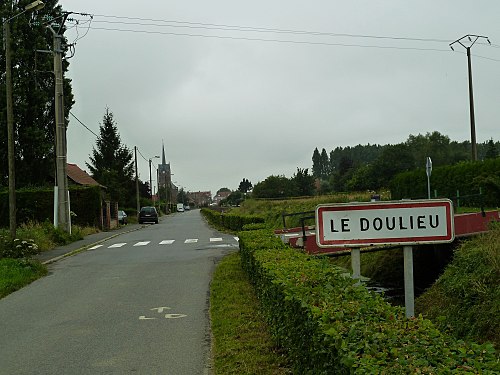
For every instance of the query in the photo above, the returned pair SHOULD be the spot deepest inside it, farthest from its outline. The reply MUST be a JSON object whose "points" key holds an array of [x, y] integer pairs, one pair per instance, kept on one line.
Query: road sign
{"points": [[381, 223]]}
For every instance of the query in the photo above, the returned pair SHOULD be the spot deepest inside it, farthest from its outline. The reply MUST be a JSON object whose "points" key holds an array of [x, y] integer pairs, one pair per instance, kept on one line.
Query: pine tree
{"points": [[111, 162], [491, 150]]}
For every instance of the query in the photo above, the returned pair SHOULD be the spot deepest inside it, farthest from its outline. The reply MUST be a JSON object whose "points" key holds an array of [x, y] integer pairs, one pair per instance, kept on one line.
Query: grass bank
{"points": [[465, 300], [241, 342], [17, 273]]}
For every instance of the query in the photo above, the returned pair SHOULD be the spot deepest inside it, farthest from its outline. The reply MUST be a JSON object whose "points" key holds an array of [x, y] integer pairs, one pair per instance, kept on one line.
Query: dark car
{"points": [[148, 215], [122, 217]]}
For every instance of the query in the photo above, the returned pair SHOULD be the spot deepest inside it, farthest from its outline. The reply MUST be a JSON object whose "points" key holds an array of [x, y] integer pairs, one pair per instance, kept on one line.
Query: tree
{"points": [[274, 187], [33, 95], [491, 150], [304, 183], [245, 186], [111, 162], [316, 167]]}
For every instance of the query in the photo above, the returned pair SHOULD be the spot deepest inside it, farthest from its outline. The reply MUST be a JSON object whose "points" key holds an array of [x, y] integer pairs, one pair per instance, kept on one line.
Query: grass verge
{"points": [[241, 339], [16, 273]]}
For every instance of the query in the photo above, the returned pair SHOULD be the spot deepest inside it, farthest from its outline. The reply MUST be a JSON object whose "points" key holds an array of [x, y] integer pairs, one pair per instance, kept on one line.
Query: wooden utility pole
{"points": [[10, 132]]}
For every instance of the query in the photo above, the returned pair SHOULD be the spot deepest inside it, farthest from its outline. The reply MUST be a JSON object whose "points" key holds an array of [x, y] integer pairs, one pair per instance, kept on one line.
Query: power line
{"points": [[81, 123], [271, 40]]}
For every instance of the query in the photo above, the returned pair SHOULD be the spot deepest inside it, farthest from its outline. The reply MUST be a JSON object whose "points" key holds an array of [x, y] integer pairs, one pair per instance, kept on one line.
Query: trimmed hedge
{"points": [[331, 325], [37, 204], [230, 220], [466, 177]]}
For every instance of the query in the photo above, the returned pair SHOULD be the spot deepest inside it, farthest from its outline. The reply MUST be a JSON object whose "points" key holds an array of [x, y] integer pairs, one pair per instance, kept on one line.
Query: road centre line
{"points": [[117, 245], [218, 239], [95, 247], [167, 242]]}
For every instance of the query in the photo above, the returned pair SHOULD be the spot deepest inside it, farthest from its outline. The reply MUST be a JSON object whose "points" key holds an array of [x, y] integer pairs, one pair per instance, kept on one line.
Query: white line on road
{"points": [[95, 247], [167, 242], [142, 243], [191, 240], [216, 239], [236, 238], [117, 245]]}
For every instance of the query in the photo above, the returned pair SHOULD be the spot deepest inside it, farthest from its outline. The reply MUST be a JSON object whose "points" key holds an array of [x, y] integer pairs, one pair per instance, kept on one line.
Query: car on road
{"points": [[122, 217], [180, 207], [148, 214]]}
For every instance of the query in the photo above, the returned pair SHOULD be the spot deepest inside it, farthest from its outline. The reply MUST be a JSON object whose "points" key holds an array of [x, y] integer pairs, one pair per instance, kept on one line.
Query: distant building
{"points": [[221, 195], [200, 198], [165, 178]]}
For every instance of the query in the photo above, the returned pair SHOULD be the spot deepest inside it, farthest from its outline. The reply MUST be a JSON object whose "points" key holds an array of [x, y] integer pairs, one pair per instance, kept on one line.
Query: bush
{"points": [[230, 221], [330, 324], [17, 248]]}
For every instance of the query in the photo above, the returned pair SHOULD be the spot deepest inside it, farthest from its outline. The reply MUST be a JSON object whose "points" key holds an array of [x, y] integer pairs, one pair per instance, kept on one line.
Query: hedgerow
{"points": [[231, 221], [329, 324]]}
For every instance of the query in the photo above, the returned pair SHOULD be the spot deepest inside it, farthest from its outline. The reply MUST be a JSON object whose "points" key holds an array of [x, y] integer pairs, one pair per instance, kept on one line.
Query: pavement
{"points": [[87, 242]]}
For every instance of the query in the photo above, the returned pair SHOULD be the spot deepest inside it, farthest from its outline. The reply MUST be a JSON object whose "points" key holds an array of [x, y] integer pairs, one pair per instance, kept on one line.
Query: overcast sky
{"points": [[233, 96]]}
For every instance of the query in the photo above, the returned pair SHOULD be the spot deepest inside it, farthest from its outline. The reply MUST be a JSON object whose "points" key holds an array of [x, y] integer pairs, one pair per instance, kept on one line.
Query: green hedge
{"points": [[230, 220], [37, 204], [331, 325], [466, 177]]}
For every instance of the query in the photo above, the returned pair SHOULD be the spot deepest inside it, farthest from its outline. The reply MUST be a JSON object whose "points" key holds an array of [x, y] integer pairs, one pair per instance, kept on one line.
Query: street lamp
{"points": [[34, 6], [150, 180]]}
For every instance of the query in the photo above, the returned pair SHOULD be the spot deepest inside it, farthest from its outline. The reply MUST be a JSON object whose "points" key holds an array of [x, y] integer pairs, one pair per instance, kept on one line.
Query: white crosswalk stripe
{"points": [[142, 243], [117, 245], [167, 242]]}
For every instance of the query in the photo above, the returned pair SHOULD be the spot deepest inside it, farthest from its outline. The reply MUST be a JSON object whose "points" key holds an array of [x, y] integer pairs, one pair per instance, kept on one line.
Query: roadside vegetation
{"points": [[465, 300], [17, 266], [241, 339]]}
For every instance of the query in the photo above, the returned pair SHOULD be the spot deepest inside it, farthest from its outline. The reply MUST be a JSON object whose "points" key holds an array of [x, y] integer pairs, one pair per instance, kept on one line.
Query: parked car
{"points": [[180, 207], [187, 207], [122, 217], [148, 215]]}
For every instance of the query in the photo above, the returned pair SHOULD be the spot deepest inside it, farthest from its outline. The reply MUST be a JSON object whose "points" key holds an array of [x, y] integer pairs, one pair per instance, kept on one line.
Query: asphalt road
{"points": [[134, 304]]}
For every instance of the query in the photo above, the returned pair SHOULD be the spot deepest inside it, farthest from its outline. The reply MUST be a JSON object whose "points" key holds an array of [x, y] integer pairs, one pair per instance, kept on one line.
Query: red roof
{"points": [[79, 176]]}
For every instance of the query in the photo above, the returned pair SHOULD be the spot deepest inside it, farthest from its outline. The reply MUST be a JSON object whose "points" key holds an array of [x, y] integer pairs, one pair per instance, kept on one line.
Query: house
{"points": [[77, 176]]}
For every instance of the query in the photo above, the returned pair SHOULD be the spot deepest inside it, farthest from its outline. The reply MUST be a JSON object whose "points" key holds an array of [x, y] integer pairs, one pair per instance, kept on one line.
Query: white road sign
{"points": [[377, 223]]}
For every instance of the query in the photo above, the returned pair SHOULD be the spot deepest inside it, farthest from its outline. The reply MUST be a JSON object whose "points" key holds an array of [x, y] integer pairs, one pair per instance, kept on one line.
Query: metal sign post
{"points": [[428, 171]]}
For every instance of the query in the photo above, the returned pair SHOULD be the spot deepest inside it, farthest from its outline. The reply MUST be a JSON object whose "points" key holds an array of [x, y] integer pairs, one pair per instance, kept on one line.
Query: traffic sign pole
{"points": [[409, 288]]}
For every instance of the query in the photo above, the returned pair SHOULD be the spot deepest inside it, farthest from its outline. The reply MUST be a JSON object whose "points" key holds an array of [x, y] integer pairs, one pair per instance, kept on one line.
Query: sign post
{"points": [[428, 171], [404, 223]]}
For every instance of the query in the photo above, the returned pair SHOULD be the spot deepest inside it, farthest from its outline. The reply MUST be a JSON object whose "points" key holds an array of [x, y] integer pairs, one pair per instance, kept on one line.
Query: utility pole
{"points": [[136, 183], [61, 144], [10, 132], [32, 7], [471, 40]]}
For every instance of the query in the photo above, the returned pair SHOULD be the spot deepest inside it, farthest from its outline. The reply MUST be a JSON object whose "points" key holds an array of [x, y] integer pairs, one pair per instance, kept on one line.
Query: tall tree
{"points": [[491, 150], [304, 182], [33, 94], [245, 186], [316, 167], [111, 162]]}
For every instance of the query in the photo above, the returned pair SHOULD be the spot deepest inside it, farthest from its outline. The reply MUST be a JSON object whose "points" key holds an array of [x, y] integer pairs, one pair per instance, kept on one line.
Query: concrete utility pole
{"points": [[137, 183], [63, 221], [471, 40]]}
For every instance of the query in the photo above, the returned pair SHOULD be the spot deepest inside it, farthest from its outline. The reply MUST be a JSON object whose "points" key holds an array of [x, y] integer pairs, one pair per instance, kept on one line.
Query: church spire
{"points": [[163, 160]]}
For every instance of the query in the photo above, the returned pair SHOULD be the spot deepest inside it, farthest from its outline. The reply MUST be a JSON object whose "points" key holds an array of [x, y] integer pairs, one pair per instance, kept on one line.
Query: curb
{"points": [[86, 247]]}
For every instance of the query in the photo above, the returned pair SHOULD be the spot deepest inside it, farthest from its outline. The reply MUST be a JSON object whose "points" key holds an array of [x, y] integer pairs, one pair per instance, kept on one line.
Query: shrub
{"points": [[330, 324], [17, 248]]}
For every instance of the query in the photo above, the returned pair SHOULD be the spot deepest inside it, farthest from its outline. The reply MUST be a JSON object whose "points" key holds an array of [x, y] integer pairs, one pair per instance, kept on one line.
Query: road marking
{"points": [[216, 239], [191, 240], [143, 317], [175, 316], [236, 238], [160, 309], [167, 242], [95, 247], [143, 243], [117, 245]]}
